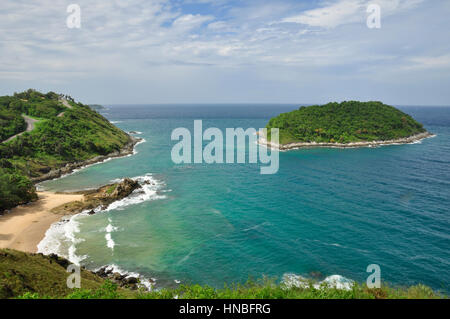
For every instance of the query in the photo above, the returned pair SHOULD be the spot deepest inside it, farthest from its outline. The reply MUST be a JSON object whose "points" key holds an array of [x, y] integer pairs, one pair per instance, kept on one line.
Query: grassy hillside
{"points": [[24, 275], [344, 123], [62, 135]]}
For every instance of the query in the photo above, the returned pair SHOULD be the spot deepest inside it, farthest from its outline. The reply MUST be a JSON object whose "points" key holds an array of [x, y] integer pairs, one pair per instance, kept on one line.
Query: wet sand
{"points": [[25, 226]]}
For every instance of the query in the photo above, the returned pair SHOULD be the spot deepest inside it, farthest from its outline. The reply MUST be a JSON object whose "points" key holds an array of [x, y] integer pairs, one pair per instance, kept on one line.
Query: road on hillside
{"points": [[30, 126], [66, 104], [30, 122]]}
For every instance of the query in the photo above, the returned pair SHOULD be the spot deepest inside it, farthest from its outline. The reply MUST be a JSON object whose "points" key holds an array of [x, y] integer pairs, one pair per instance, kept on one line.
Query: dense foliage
{"points": [[15, 188], [61, 136], [11, 123], [345, 122]]}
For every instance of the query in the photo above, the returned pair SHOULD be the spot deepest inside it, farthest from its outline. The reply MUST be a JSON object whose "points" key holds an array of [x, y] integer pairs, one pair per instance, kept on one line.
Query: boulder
{"points": [[125, 188]]}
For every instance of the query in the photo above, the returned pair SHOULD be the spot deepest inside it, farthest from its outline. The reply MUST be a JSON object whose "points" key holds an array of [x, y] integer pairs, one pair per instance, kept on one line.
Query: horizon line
{"points": [[256, 103]]}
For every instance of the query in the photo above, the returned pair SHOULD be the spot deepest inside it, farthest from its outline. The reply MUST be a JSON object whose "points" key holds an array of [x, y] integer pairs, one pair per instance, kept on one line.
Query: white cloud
{"points": [[160, 43], [429, 62], [190, 21], [333, 14], [345, 11]]}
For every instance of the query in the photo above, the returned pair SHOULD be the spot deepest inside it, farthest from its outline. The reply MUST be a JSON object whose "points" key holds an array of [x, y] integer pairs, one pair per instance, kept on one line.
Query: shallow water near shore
{"points": [[326, 212]]}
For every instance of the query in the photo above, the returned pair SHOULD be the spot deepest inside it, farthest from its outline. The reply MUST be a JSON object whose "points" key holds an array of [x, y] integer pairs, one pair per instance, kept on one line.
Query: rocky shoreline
{"points": [[128, 149], [126, 280], [131, 281], [293, 146], [99, 198]]}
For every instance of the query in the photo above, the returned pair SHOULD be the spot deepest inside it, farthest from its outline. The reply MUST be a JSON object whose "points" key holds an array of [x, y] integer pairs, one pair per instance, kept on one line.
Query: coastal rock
{"points": [[118, 277], [123, 280], [125, 188], [132, 280], [100, 198]]}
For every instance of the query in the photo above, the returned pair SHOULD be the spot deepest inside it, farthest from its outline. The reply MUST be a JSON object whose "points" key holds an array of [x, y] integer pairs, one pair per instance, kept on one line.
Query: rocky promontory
{"points": [[101, 197]]}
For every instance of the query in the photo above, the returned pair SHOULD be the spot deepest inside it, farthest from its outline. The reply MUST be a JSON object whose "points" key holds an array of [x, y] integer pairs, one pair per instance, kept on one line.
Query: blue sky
{"points": [[205, 51]]}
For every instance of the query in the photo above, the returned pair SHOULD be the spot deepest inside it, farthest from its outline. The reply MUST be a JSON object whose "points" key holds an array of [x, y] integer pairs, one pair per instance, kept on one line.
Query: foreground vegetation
{"points": [[62, 135], [34, 276], [344, 123]]}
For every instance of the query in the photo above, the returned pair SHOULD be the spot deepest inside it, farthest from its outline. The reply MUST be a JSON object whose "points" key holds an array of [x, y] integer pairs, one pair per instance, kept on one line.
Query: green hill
{"points": [[32, 276], [22, 273], [345, 122], [61, 135]]}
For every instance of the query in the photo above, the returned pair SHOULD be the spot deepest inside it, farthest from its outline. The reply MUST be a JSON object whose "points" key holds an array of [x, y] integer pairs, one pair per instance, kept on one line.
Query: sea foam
{"points": [[334, 281], [144, 282], [148, 191], [61, 237]]}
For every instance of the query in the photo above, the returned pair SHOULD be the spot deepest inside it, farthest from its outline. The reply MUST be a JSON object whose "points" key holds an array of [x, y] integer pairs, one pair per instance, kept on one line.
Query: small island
{"points": [[346, 124]]}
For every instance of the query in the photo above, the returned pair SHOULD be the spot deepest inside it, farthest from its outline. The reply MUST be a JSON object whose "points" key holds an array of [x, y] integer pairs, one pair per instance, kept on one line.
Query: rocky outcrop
{"points": [[125, 280], [101, 197], [114, 192]]}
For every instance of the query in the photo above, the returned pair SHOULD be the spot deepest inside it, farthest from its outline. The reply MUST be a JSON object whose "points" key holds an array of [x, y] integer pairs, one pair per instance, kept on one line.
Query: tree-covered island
{"points": [[348, 123]]}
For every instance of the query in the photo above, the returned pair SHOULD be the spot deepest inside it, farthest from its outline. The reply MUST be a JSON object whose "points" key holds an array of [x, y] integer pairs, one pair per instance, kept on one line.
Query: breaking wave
{"points": [[334, 281], [147, 283], [61, 238]]}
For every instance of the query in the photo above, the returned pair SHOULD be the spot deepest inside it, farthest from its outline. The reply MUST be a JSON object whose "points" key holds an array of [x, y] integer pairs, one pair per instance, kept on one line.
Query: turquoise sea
{"points": [[326, 212]]}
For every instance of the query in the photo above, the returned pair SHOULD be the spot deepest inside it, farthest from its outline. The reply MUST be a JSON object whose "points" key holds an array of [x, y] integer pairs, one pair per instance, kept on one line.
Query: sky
{"points": [[220, 51]]}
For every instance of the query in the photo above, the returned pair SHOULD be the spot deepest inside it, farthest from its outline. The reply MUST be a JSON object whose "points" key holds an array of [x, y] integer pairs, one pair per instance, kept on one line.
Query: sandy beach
{"points": [[25, 226]]}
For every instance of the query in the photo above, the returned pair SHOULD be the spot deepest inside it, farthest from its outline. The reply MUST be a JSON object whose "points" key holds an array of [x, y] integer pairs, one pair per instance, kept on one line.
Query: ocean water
{"points": [[326, 212]]}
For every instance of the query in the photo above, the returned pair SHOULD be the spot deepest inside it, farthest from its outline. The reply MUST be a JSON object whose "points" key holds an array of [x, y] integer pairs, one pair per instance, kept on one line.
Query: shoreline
{"points": [[299, 145], [127, 150], [25, 226]]}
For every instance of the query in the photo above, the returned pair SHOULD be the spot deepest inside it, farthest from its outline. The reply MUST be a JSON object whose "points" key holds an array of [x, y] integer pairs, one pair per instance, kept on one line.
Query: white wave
{"points": [[60, 239], [144, 282], [116, 122], [110, 228], [148, 191], [338, 282], [135, 132], [134, 149], [334, 281], [110, 243]]}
